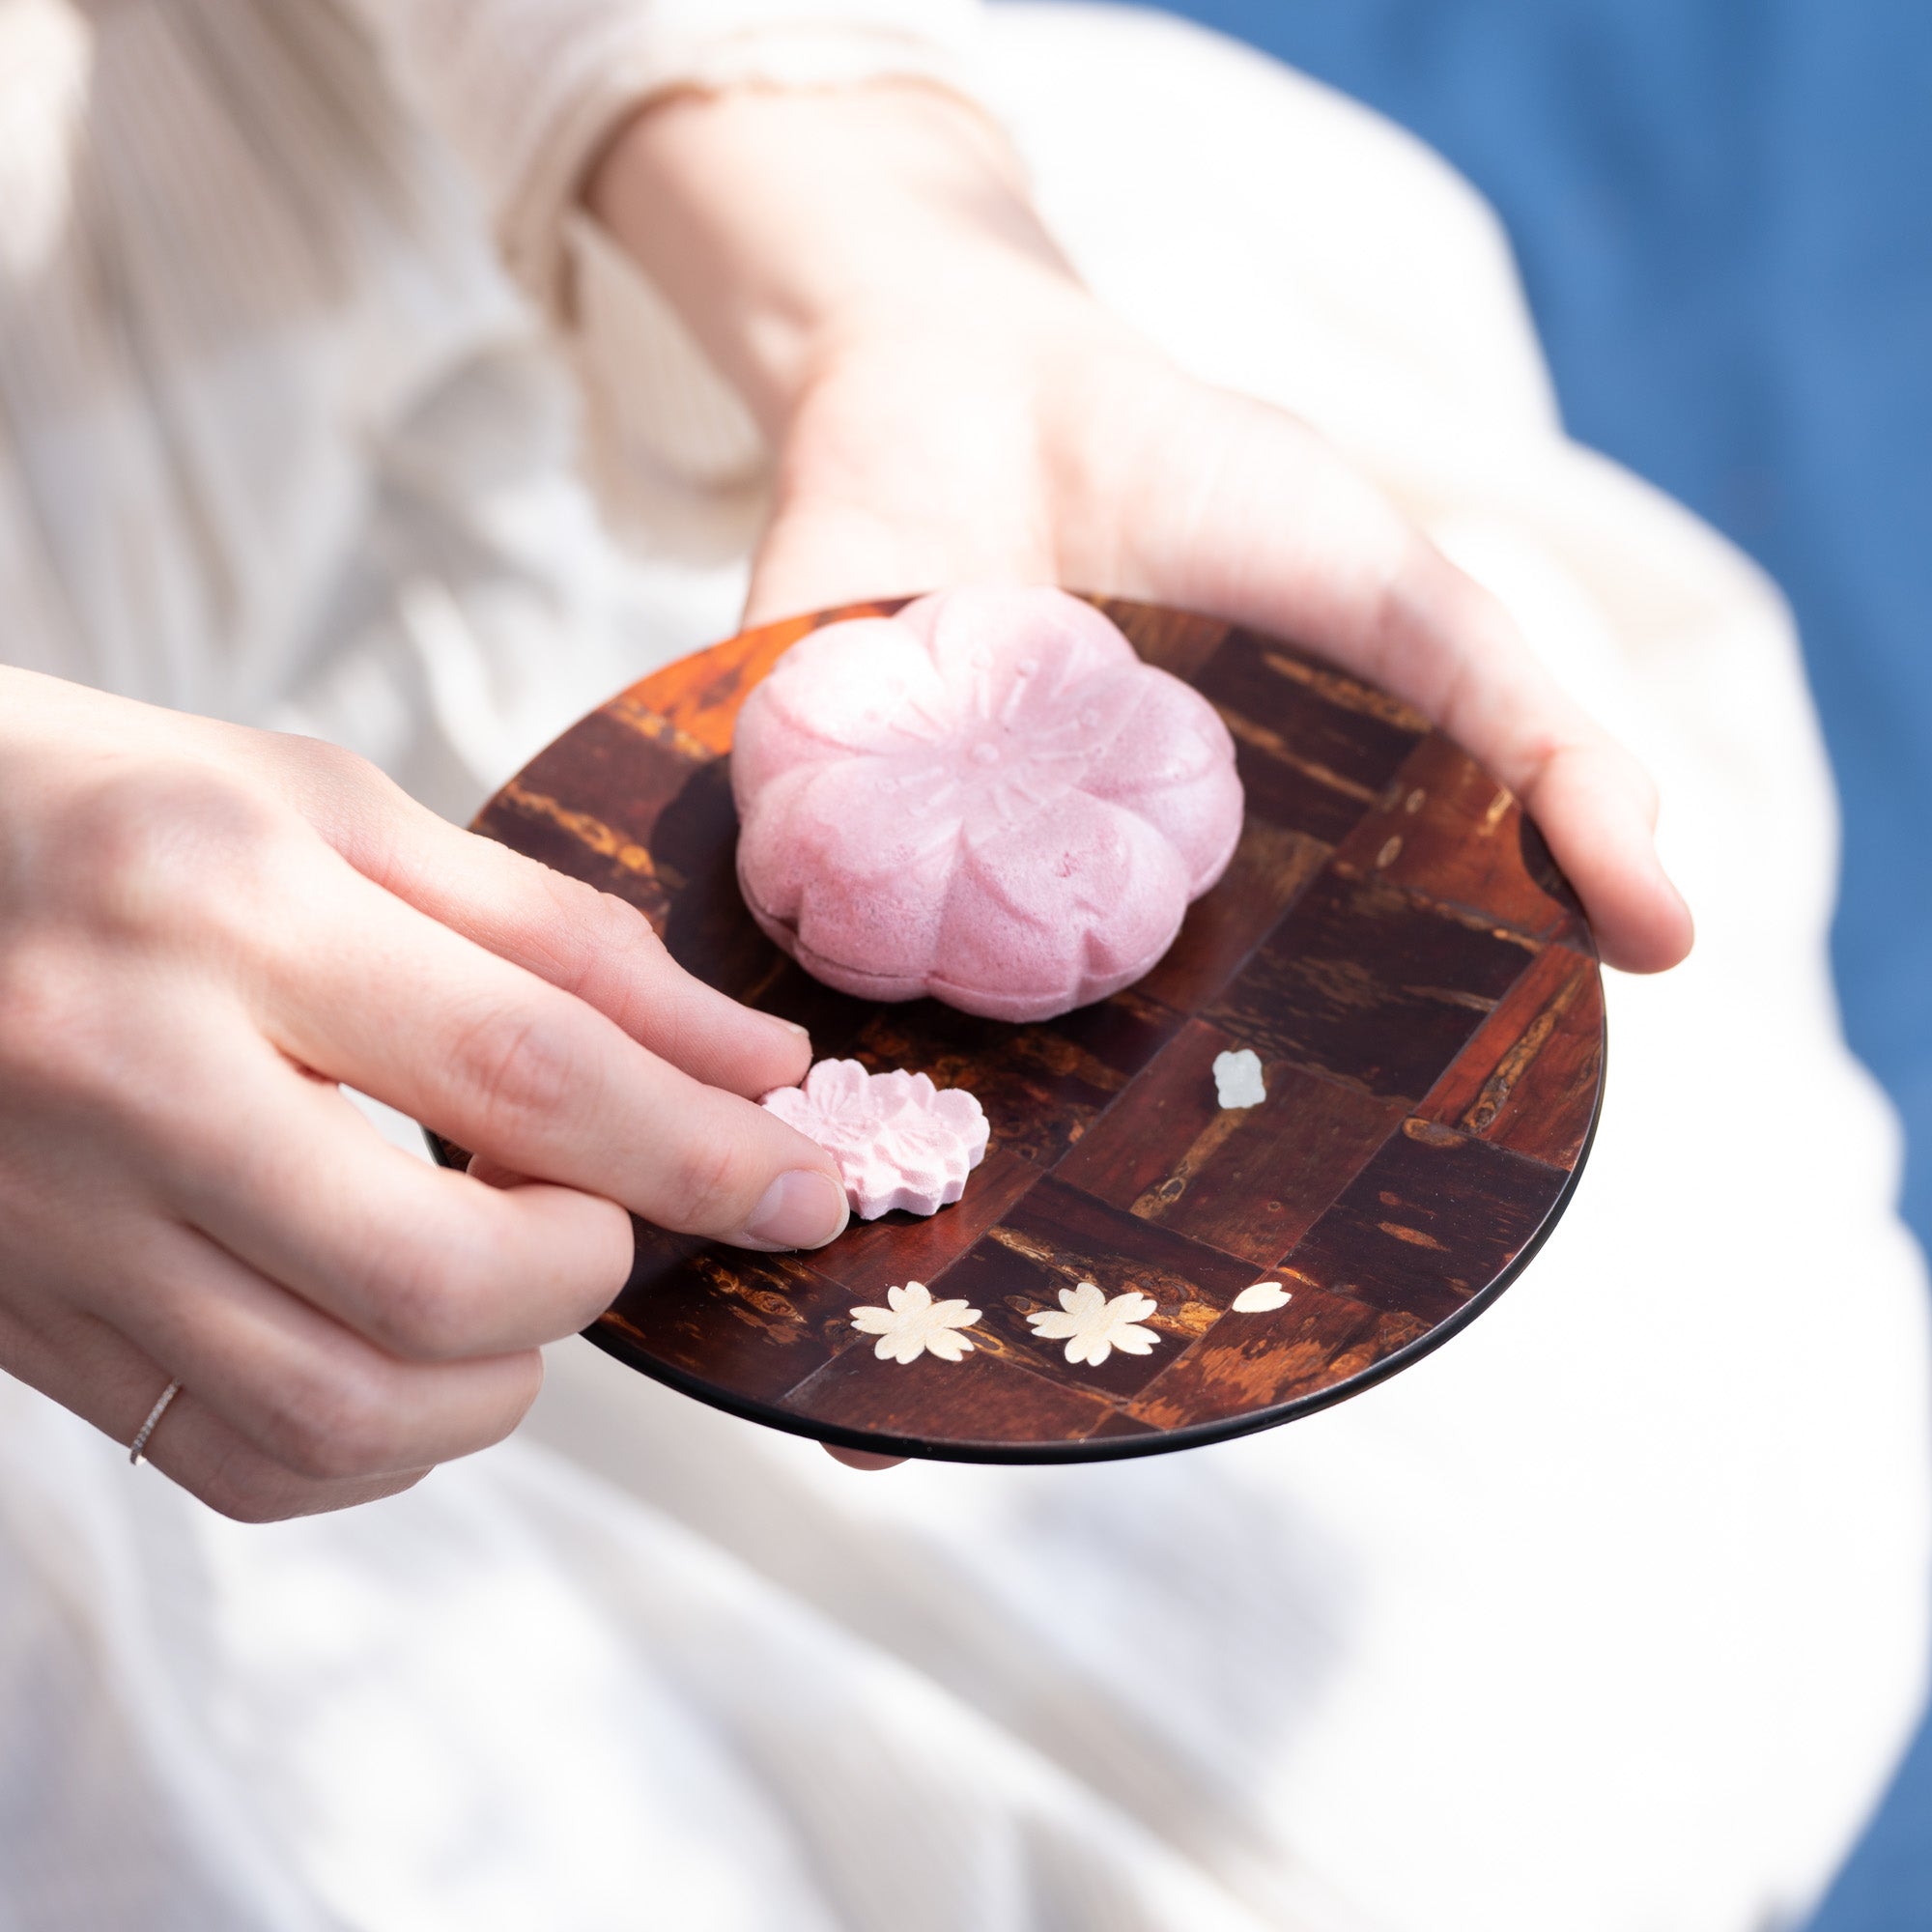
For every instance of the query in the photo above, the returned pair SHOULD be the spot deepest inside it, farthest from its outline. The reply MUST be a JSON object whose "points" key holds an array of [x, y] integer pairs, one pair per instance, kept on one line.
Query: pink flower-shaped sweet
{"points": [[899, 1141], [988, 798]]}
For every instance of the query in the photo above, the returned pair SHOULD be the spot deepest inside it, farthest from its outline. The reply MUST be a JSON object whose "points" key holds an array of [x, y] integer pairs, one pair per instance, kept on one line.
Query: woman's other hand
{"points": [[204, 929], [951, 405]]}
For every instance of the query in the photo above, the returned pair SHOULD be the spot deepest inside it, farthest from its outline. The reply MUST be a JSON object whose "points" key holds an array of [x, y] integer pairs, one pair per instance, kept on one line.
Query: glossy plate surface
{"points": [[1392, 941]]}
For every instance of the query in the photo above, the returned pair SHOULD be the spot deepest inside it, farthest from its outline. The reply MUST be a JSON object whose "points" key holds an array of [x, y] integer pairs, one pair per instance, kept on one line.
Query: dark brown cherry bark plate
{"points": [[1392, 940]]}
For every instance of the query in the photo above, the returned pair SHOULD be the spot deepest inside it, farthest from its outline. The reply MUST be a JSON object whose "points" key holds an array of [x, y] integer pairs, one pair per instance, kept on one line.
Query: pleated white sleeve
{"points": [[528, 91]]}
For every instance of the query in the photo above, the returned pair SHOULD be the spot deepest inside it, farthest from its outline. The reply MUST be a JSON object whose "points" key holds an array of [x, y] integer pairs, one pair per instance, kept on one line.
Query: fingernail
{"points": [[792, 1026], [803, 1209]]}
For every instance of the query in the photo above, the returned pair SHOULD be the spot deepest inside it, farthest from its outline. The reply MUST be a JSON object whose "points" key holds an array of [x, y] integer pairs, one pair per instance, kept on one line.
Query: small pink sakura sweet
{"points": [[899, 1141], [988, 798]]}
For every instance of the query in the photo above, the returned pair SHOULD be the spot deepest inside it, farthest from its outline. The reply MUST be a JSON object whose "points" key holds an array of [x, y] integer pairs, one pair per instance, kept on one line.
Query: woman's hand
{"points": [[950, 406], [202, 930]]}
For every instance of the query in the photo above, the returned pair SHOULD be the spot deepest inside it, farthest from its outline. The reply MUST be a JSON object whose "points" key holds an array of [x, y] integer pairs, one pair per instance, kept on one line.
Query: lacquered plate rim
{"points": [[610, 1338]]}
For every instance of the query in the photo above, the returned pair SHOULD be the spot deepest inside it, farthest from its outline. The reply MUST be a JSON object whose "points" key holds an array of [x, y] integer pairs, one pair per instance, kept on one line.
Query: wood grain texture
{"points": [[1316, 750], [1370, 983], [912, 1405], [1248, 1181], [1253, 1364], [1056, 1238], [1446, 829], [1391, 940], [1529, 1077], [1432, 1220]]}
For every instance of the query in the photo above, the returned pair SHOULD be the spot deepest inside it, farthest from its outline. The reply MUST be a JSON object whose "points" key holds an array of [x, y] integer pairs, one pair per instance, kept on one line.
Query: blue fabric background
{"points": [[1723, 214]]}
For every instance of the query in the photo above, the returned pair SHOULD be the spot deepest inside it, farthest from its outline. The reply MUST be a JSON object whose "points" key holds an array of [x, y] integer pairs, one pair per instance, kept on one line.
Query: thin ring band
{"points": [[147, 1429]]}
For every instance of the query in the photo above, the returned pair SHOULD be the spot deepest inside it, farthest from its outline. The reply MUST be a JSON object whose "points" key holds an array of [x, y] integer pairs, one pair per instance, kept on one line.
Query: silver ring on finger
{"points": [[137, 1449]]}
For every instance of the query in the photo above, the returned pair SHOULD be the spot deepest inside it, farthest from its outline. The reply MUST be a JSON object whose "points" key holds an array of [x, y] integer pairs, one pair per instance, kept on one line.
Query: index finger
{"points": [[368, 991], [589, 944]]}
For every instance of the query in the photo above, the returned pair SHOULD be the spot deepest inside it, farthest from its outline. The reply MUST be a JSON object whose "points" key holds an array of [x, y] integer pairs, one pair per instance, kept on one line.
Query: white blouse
{"points": [[527, 91], [255, 344]]}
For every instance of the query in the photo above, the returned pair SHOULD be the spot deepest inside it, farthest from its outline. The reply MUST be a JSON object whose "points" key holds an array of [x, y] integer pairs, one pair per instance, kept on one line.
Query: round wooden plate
{"points": [[1392, 940]]}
